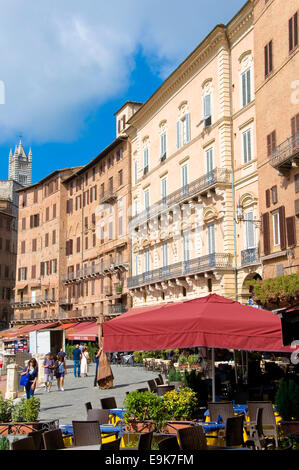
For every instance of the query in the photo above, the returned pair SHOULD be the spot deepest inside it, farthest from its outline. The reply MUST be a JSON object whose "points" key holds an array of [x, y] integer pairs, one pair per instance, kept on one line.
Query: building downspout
{"points": [[233, 173]]}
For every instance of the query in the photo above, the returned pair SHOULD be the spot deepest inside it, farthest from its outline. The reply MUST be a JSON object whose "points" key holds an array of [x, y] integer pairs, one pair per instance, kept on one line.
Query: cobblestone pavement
{"points": [[69, 405]]}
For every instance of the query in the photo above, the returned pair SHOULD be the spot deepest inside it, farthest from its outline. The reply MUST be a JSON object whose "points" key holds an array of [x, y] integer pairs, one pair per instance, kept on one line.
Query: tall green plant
{"points": [[277, 290], [287, 400], [6, 408]]}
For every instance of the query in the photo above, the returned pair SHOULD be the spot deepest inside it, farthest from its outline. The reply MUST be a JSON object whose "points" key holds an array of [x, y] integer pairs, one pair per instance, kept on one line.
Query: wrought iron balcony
{"points": [[250, 256], [30, 302], [197, 187], [116, 309], [183, 268], [286, 153], [108, 196], [94, 270]]}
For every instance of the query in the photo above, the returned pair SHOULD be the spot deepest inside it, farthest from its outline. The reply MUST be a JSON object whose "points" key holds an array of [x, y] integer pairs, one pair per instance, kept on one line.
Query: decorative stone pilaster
{"points": [[41, 370], [12, 384]]}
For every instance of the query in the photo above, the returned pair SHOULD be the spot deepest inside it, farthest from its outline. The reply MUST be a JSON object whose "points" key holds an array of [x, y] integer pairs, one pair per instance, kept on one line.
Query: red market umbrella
{"points": [[211, 321]]}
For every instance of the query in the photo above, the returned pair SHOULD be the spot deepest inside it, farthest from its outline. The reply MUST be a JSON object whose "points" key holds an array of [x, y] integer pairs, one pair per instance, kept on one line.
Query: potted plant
{"points": [[119, 289], [180, 406], [144, 412], [4, 443], [175, 378], [287, 405], [193, 361], [19, 418], [183, 361]]}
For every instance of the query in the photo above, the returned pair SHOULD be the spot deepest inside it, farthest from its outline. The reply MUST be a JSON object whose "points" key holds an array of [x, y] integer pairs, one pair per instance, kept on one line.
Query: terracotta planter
{"points": [[289, 427], [172, 426], [140, 426], [193, 366], [184, 366], [18, 428]]}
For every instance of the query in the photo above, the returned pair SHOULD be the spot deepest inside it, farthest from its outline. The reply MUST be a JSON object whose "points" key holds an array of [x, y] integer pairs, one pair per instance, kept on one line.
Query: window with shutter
{"points": [[282, 228], [296, 182], [78, 244], [266, 233], [274, 194], [291, 230], [271, 143], [268, 58], [293, 32], [268, 202]]}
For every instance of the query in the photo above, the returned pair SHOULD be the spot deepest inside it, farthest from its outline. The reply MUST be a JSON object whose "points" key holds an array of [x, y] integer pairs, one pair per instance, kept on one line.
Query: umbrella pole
{"points": [[213, 376], [236, 372]]}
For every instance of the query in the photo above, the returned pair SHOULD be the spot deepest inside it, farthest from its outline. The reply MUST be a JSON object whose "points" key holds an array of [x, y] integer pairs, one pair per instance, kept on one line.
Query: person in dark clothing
{"points": [[32, 370], [77, 355], [97, 355]]}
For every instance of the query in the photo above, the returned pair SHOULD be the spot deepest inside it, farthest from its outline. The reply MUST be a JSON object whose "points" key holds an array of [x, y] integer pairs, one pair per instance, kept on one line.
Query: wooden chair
{"points": [[158, 381], [162, 389], [86, 433], [269, 422], [192, 438], [102, 416], [223, 409], [145, 441], [37, 437], [111, 446], [161, 379], [88, 406], [53, 440], [108, 403], [169, 444], [152, 386], [23, 444]]}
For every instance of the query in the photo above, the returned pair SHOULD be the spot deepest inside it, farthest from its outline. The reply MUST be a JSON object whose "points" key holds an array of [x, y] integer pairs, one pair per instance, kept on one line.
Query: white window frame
{"points": [[163, 145], [249, 225], [211, 228], [146, 199], [276, 230], [246, 133], [246, 90], [204, 114], [163, 184]]}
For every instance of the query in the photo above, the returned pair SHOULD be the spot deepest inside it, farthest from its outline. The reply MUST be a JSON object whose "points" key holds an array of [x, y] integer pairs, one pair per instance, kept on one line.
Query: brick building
{"points": [[73, 249], [40, 260], [277, 111], [8, 247], [97, 245]]}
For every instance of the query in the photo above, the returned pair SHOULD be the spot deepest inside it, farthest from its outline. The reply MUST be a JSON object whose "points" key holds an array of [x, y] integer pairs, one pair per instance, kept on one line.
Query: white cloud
{"points": [[61, 60]]}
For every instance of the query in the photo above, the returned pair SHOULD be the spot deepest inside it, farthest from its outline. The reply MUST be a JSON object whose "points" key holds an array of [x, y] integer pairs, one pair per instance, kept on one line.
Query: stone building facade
{"points": [[194, 223], [73, 249], [8, 247], [276, 37]]}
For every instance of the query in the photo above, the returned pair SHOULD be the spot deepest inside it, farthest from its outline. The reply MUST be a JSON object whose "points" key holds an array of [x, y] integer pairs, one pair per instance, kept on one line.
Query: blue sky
{"points": [[68, 66]]}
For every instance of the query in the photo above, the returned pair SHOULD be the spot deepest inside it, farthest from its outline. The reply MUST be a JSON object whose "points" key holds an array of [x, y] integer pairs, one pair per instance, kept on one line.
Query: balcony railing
{"points": [[29, 301], [96, 269], [197, 187], [107, 196], [116, 309], [250, 256], [183, 268], [285, 153]]}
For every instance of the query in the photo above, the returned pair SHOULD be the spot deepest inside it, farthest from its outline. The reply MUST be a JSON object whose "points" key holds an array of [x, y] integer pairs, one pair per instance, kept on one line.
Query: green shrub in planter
{"points": [[287, 400], [6, 408], [145, 406], [4, 443], [192, 359], [182, 360], [138, 357], [172, 375], [180, 405], [26, 410]]}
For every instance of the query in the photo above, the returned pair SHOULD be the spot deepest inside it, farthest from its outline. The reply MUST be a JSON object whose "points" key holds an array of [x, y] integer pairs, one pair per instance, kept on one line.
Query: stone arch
{"points": [[247, 200], [246, 292], [209, 214]]}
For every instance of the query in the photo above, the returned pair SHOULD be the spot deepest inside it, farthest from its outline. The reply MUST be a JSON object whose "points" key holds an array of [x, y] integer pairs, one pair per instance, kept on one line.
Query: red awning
{"points": [[26, 329], [65, 326], [211, 321], [85, 331]]}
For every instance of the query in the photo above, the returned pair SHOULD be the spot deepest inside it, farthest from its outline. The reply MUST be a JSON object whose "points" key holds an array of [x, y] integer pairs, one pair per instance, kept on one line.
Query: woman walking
{"points": [[84, 362], [60, 372], [32, 371]]}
